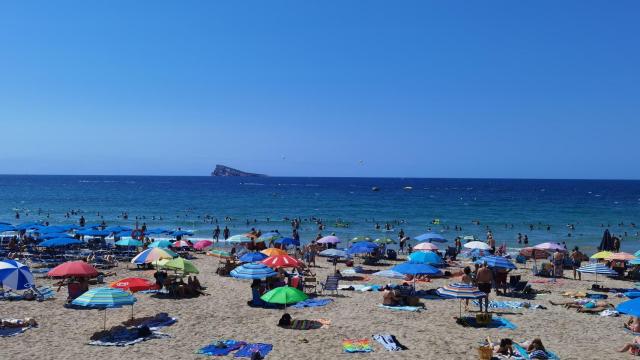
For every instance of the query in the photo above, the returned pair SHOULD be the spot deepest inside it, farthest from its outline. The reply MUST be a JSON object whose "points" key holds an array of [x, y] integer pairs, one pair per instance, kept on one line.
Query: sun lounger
{"points": [[389, 342], [356, 345], [249, 349], [221, 348]]}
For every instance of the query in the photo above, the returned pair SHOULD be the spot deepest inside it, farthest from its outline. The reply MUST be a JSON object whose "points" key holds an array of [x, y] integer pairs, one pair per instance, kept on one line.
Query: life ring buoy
{"points": [[136, 234]]}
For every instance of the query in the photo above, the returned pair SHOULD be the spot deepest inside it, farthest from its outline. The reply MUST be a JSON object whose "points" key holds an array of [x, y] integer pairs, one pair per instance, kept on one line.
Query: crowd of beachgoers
{"points": [[262, 294]]}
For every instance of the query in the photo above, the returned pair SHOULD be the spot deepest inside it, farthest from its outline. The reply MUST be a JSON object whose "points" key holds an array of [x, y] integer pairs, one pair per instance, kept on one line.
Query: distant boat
{"points": [[408, 188], [375, 188]]}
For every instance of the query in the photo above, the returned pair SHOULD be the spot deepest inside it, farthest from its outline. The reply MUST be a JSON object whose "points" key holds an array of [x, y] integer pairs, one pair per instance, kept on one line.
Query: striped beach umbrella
{"points": [[253, 271], [497, 262], [15, 275], [105, 298], [426, 246], [281, 261], [460, 291], [239, 239], [150, 255], [597, 268]]}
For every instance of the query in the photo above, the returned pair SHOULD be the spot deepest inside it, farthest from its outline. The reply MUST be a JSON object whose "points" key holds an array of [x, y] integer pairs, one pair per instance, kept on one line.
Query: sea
{"points": [[349, 207]]}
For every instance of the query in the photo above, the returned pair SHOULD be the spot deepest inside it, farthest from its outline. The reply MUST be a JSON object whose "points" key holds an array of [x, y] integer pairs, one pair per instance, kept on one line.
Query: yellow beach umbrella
{"points": [[602, 255]]}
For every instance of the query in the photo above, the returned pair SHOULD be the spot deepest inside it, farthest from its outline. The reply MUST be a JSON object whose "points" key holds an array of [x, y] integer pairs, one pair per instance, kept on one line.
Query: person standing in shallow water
{"points": [[225, 233], [216, 233]]}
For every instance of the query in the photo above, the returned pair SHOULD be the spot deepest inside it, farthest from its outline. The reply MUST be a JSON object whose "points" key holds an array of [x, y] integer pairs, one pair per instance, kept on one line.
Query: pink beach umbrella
{"points": [[202, 244], [530, 252], [181, 243], [622, 256], [426, 246], [549, 246], [328, 240]]}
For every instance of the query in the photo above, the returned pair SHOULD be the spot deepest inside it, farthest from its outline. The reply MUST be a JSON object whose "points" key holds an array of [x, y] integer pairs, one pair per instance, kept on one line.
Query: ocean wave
{"points": [[252, 184]]}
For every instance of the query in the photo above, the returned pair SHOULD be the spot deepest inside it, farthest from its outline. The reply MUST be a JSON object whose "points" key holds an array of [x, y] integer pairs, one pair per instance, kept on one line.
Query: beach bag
{"points": [[285, 320], [483, 319], [485, 352]]}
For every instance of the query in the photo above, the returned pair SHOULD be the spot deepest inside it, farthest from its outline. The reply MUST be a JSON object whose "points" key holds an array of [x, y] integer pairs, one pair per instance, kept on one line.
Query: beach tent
{"points": [[431, 237], [105, 298], [253, 271], [15, 275]]}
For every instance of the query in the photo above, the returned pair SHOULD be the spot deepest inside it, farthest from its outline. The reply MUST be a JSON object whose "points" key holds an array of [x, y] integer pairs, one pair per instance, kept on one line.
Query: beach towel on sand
{"points": [[402, 308], [126, 337], [312, 303], [538, 355], [496, 323], [389, 342], [510, 305], [159, 321], [249, 349], [8, 332], [221, 348], [356, 345]]}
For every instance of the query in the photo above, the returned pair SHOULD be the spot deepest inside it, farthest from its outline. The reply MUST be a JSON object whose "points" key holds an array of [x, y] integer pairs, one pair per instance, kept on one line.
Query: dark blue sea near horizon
{"points": [[507, 207]]}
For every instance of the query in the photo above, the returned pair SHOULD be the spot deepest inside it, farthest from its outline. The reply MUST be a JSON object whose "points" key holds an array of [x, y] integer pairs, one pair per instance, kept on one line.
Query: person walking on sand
{"points": [[484, 279], [576, 261]]}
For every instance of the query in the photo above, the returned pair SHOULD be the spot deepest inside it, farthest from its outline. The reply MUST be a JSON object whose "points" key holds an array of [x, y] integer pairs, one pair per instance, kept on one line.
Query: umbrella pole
{"points": [[131, 311], [105, 320]]}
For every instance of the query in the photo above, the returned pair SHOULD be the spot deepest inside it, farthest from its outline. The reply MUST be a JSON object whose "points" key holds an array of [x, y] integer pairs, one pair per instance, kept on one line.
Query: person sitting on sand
{"points": [[536, 350], [505, 347], [633, 324], [633, 348], [389, 297]]}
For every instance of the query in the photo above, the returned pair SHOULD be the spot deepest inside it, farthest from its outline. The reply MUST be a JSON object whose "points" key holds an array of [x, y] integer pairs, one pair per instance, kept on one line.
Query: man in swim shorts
{"points": [[484, 278]]}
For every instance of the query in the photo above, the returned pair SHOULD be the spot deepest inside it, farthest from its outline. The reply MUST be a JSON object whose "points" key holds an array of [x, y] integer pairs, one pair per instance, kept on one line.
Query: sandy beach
{"points": [[430, 334]]}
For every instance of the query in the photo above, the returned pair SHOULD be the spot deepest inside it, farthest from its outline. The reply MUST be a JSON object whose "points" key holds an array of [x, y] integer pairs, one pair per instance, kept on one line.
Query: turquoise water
{"points": [[186, 201]]}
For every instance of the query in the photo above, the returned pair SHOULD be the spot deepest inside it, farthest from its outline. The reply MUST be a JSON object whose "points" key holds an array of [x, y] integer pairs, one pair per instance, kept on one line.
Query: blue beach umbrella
{"points": [[51, 229], [118, 229], [498, 262], [253, 271], [460, 291], [253, 257], [334, 253], [181, 233], [426, 257], [15, 275], [630, 307], [128, 242], [161, 244], [92, 232], [54, 236], [635, 261], [357, 249], [7, 227], [431, 237], [28, 226], [389, 274], [239, 239], [288, 241], [156, 231], [59, 242], [410, 268], [105, 298], [269, 236]]}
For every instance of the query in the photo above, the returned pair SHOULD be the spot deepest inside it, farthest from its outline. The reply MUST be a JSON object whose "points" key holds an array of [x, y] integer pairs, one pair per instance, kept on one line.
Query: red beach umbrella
{"points": [[281, 261], [134, 284], [73, 268]]}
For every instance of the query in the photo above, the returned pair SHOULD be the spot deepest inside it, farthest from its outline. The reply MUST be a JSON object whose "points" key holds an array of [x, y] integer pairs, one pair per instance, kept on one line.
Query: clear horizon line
{"points": [[336, 177]]}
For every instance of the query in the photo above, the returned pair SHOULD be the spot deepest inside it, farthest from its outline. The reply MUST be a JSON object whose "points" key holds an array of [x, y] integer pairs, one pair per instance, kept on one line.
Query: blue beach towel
{"points": [[496, 323], [126, 337], [494, 304], [249, 349], [312, 303], [229, 346], [523, 353], [402, 308], [8, 332]]}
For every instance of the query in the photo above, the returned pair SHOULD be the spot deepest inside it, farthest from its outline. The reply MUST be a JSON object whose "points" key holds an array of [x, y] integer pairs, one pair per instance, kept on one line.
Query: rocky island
{"points": [[222, 170]]}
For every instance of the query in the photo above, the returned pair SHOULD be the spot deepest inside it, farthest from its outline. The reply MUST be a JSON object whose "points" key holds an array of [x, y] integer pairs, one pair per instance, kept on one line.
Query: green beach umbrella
{"points": [[182, 265], [360, 238], [284, 295], [384, 241]]}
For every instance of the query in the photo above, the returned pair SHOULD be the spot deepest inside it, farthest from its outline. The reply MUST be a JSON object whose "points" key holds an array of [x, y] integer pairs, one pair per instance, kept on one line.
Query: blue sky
{"points": [[541, 89]]}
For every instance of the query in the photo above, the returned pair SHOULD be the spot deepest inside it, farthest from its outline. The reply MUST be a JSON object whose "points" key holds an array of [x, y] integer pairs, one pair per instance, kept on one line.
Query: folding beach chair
{"points": [[310, 284], [331, 284]]}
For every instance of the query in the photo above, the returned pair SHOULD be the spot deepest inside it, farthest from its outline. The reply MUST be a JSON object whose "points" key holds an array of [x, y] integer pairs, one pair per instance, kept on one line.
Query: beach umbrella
{"points": [[160, 263], [469, 238], [54, 236], [549, 246], [134, 284], [105, 298], [239, 239], [328, 240], [477, 245], [150, 255], [460, 291], [630, 307], [181, 243], [607, 241], [475, 253], [622, 256], [157, 231], [410, 268], [253, 271], [15, 275], [426, 257], [118, 228], [128, 242], [59, 242], [288, 241], [182, 265], [601, 255], [426, 246], [333, 253], [7, 227], [253, 257], [361, 248], [269, 236], [273, 252], [385, 241], [284, 295], [431, 237], [635, 261], [52, 229], [73, 269], [28, 226], [360, 239], [497, 262], [92, 232], [597, 268], [219, 254], [389, 274], [530, 252], [202, 244], [281, 261], [160, 244]]}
